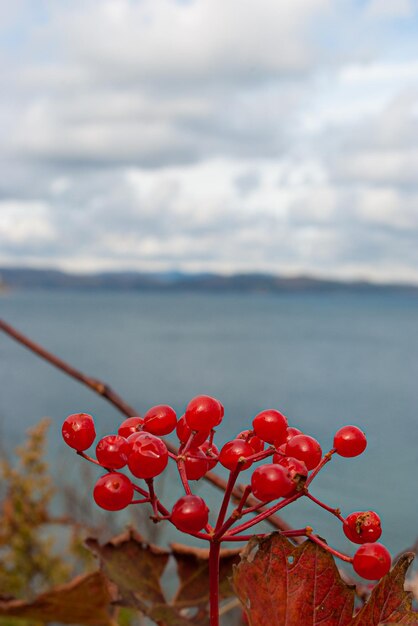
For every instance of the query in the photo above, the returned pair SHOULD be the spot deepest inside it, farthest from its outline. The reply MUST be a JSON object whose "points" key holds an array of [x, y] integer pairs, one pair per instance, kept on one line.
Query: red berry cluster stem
{"points": [[285, 460]]}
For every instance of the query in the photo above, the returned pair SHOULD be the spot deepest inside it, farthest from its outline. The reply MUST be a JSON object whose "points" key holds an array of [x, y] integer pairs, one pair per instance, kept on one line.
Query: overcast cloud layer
{"points": [[218, 135]]}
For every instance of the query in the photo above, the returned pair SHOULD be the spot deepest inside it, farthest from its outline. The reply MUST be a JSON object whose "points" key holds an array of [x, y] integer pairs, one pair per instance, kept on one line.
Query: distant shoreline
{"points": [[26, 278]]}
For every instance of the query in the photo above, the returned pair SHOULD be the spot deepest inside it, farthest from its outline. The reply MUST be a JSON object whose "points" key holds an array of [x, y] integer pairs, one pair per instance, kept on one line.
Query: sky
{"points": [[210, 135]]}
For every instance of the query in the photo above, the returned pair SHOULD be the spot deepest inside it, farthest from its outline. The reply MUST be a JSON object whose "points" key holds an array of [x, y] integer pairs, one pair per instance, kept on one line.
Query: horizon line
{"points": [[302, 275]]}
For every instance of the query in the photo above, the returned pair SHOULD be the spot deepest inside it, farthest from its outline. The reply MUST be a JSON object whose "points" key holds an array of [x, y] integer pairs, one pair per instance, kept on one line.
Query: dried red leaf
{"points": [[283, 584], [193, 572], [84, 600], [134, 566], [389, 603], [280, 583], [167, 615]]}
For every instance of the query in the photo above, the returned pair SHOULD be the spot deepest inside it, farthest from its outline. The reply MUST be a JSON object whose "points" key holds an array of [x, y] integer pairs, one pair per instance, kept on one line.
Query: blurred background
{"points": [[217, 197]]}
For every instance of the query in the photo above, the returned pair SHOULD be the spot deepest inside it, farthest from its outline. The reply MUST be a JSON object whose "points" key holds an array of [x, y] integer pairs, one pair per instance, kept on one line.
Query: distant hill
{"points": [[24, 278]]}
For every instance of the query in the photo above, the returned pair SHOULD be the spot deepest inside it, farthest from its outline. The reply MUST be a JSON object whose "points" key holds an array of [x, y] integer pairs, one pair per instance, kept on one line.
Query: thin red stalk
{"points": [[335, 512], [199, 458], [233, 475], [238, 537], [265, 514], [143, 492], [111, 396], [253, 509], [91, 460], [214, 552], [243, 501], [183, 477], [143, 501], [325, 459], [204, 536], [153, 497], [259, 456], [161, 509], [279, 452], [184, 447], [236, 514], [339, 555], [299, 532]]}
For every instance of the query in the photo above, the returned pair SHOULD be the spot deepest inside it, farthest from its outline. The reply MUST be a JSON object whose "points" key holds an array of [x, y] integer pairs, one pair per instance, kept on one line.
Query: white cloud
{"points": [[388, 9], [156, 40], [25, 222], [210, 135], [385, 167]]}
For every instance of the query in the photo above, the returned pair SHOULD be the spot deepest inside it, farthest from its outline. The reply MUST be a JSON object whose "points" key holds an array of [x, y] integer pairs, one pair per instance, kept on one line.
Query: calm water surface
{"points": [[324, 360]]}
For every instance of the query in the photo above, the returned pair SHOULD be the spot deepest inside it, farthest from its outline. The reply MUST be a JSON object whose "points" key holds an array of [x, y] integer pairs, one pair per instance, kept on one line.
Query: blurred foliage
{"points": [[39, 550], [33, 555]]}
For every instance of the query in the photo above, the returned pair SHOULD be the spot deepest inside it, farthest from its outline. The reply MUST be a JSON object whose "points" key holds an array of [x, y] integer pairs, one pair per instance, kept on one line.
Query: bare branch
{"points": [[111, 396]]}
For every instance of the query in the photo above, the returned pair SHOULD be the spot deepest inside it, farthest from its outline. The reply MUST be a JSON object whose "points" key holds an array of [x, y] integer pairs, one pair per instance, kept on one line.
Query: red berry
{"points": [[78, 431], [233, 451], [280, 453], [292, 432], [160, 420], [203, 413], [372, 561], [196, 464], [270, 426], [112, 451], [297, 470], [113, 491], [211, 452], [129, 426], [350, 441], [190, 514], [183, 433], [130, 440], [306, 449], [362, 527], [222, 413], [255, 442], [148, 456], [270, 482]]}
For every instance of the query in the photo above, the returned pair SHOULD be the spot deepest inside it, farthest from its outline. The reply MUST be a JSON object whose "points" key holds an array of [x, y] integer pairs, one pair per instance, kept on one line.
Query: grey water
{"points": [[325, 360]]}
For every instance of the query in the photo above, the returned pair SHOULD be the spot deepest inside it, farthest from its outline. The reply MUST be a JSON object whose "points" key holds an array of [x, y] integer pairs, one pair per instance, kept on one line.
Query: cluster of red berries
{"points": [[296, 458]]}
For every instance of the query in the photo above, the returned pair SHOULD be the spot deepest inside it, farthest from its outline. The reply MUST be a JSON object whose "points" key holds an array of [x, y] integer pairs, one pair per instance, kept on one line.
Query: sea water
{"points": [[325, 360]]}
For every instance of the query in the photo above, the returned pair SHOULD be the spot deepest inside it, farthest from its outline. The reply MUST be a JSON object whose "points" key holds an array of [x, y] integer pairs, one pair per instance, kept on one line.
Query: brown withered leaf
{"points": [[280, 583], [168, 615], [389, 603], [84, 600], [135, 567], [193, 572]]}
